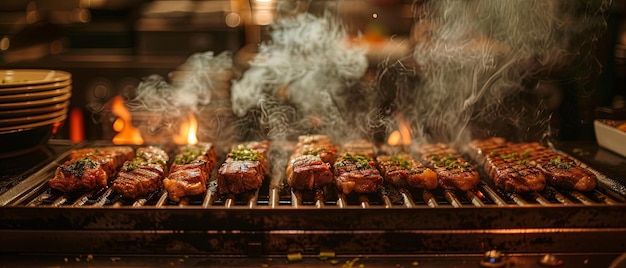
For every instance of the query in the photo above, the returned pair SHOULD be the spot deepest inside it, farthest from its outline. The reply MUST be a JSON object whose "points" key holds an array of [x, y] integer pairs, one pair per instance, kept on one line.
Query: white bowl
{"points": [[609, 136]]}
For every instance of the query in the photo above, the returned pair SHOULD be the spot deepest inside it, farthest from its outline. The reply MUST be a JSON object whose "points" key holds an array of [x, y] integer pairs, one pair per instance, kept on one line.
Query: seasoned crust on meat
{"points": [[90, 168]]}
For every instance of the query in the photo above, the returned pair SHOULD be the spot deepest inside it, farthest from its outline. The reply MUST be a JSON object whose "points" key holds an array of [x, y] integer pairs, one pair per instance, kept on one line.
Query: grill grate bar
{"points": [[518, 199], [103, 198], [494, 196], [82, 200], [162, 200], [604, 198], [407, 199], [274, 197], [59, 201], [540, 199], [319, 199], [429, 199], [474, 199], [562, 198], [452, 199]]}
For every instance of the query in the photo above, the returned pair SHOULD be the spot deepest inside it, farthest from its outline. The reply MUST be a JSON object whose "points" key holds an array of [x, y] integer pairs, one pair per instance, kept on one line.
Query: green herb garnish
{"points": [[494, 153], [360, 161], [557, 162], [141, 160], [188, 156], [449, 161], [526, 154], [242, 153], [399, 161], [77, 168]]}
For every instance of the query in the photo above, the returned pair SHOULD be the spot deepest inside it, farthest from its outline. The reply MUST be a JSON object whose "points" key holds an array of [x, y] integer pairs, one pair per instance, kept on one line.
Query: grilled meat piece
{"points": [[244, 169], [453, 171], [319, 145], [403, 171], [143, 174], [310, 163], [355, 170], [89, 169], [560, 170], [360, 147], [190, 171], [510, 169]]}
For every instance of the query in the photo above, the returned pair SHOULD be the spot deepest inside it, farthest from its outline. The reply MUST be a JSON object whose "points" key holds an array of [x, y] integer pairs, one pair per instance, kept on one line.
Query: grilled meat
{"points": [[403, 171], [244, 169], [508, 167], [190, 171], [89, 169], [453, 171], [310, 163], [560, 170], [360, 147], [355, 170], [143, 174]]}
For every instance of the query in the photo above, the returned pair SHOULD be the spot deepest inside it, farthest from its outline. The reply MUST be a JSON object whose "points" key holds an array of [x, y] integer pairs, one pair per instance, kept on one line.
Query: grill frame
{"points": [[275, 221]]}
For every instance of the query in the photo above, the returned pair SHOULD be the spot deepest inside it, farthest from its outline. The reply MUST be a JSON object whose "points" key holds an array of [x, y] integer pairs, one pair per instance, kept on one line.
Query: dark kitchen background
{"points": [[110, 45]]}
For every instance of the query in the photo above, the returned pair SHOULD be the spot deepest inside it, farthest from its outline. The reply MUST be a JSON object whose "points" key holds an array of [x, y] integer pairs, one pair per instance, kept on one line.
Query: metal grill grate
{"points": [[34, 192]]}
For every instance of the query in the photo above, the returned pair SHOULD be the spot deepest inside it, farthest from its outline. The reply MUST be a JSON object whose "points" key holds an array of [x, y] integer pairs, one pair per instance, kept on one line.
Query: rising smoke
{"points": [[475, 69], [481, 63]]}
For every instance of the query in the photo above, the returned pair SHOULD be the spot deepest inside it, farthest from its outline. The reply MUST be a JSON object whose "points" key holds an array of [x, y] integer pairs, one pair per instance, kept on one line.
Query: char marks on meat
{"points": [[560, 170], [190, 171], [510, 168], [143, 174], [404, 171], [453, 171], [89, 168], [244, 169], [310, 163], [355, 170]]}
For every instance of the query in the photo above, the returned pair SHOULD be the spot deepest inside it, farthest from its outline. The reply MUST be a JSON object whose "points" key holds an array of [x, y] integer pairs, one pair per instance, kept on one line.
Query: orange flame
{"points": [[127, 133], [402, 136], [188, 130]]}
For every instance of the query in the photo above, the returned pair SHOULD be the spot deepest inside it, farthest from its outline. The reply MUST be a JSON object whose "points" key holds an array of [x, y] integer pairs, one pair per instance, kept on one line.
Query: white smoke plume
{"points": [[476, 65], [299, 78]]}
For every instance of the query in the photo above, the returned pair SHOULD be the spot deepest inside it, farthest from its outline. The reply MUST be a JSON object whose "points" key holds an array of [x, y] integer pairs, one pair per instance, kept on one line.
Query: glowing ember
{"points": [[188, 130], [127, 133], [402, 136]]}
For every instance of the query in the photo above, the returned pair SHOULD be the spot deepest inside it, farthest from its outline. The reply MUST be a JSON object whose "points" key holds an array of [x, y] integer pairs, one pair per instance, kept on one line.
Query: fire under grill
{"points": [[275, 220]]}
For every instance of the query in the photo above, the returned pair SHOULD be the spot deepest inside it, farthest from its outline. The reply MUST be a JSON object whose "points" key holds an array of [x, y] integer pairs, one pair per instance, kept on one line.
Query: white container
{"points": [[609, 136]]}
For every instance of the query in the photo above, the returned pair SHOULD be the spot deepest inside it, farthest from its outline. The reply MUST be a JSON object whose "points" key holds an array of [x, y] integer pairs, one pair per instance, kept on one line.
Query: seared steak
{"points": [[89, 169], [310, 163], [403, 171], [244, 169], [453, 171], [190, 171], [143, 174], [355, 170], [510, 169]]}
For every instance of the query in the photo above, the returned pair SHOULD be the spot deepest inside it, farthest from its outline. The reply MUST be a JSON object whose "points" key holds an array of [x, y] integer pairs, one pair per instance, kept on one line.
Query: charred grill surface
{"points": [[244, 169], [190, 171], [355, 170], [310, 163], [511, 169], [404, 171], [143, 174], [89, 169], [453, 171]]}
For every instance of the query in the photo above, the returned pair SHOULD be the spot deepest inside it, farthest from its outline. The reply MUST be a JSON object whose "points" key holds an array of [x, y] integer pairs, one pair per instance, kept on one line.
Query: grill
{"points": [[274, 221]]}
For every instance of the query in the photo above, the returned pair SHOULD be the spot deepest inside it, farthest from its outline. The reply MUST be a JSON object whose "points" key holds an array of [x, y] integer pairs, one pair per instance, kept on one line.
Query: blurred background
{"points": [[110, 45]]}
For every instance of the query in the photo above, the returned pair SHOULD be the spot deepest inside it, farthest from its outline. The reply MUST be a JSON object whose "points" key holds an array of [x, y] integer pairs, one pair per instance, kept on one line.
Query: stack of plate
{"points": [[32, 100]]}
